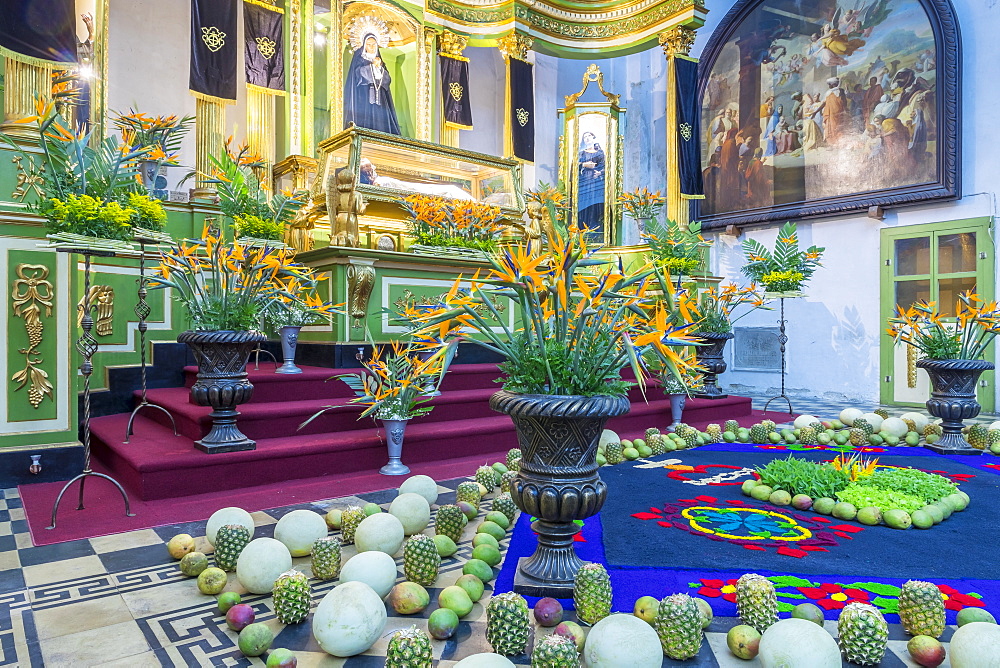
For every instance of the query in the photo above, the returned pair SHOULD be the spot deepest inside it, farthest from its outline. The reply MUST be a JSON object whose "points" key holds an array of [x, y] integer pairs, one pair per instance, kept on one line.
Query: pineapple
{"points": [[555, 651], [592, 593], [409, 648], [487, 477], [921, 609], [505, 505], [690, 437], [650, 432], [349, 521], [978, 433], [993, 440], [326, 558], [807, 436], [759, 433], [714, 432], [655, 444], [505, 481], [682, 428], [678, 623], [817, 426], [863, 634], [514, 459], [613, 453], [756, 601], [881, 412], [450, 522], [932, 428], [421, 559], [229, 542], [292, 598], [910, 425], [468, 492], [865, 426], [857, 436], [731, 425], [508, 624], [769, 425]]}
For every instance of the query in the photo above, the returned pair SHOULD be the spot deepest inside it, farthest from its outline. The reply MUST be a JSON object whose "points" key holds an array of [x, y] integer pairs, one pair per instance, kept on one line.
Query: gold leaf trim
{"points": [[31, 294]]}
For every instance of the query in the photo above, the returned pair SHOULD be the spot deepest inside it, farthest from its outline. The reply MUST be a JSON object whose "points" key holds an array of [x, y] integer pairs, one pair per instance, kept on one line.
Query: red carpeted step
{"points": [[156, 464]]}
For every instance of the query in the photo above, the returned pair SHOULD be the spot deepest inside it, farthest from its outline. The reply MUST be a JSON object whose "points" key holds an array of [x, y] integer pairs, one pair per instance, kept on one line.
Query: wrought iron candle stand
{"points": [[782, 340], [87, 346], [142, 310]]}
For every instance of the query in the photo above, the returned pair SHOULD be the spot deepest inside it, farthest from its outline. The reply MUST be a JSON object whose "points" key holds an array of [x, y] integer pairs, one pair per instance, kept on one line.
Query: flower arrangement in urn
{"points": [[576, 322], [787, 268], [713, 307], [87, 188], [442, 222], [642, 206], [678, 250], [953, 346]]}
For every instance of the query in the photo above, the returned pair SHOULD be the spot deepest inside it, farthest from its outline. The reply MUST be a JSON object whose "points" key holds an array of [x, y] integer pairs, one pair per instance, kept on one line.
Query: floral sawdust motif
{"points": [[761, 529], [833, 596]]}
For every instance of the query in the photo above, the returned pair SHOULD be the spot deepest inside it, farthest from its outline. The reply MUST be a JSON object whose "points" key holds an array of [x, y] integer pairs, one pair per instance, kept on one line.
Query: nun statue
{"points": [[590, 186], [367, 98]]}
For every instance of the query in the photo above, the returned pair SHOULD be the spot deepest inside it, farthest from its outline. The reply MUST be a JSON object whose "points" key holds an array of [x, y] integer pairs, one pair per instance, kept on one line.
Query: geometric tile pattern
{"points": [[121, 601]]}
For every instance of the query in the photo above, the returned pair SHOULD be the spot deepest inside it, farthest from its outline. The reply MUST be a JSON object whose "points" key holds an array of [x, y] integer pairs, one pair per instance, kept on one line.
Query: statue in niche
{"points": [[367, 94], [590, 185]]}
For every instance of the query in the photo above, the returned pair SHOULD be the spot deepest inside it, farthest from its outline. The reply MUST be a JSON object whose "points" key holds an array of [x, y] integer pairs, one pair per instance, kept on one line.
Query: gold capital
{"points": [[451, 44], [677, 41], [515, 45]]}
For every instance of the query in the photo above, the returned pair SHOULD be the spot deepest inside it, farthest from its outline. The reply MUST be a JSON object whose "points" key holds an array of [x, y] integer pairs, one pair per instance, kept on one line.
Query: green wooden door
{"points": [[934, 262]]}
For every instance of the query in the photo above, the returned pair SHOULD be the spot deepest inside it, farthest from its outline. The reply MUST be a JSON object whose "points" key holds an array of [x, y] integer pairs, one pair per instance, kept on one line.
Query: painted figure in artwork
{"points": [[367, 95], [590, 188]]}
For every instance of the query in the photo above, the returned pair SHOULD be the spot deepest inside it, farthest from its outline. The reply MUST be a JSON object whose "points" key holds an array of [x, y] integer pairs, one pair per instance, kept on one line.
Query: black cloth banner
{"points": [[213, 48], [264, 46], [455, 92], [40, 30], [522, 109], [688, 128]]}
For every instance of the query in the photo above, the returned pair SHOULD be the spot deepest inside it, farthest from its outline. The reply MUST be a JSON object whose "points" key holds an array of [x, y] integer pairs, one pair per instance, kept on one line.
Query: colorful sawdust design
{"points": [[793, 590], [755, 528]]}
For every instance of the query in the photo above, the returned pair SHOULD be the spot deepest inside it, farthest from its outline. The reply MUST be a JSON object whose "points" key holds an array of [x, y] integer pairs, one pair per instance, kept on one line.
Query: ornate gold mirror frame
{"points": [[590, 159]]}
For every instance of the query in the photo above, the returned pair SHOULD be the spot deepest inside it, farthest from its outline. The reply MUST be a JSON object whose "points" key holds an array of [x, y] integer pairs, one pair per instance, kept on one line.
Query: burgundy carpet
{"points": [[104, 511]]}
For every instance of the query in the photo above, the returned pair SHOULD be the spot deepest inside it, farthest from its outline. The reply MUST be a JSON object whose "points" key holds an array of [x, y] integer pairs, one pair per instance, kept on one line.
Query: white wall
{"points": [[835, 332]]}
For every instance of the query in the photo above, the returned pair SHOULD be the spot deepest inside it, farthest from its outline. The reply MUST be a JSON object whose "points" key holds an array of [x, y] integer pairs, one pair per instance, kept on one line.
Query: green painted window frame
{"points": [[985, 286]]}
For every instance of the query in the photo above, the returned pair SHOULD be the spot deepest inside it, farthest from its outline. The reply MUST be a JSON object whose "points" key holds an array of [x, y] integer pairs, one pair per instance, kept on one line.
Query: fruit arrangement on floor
{"points": [[853, 488]]}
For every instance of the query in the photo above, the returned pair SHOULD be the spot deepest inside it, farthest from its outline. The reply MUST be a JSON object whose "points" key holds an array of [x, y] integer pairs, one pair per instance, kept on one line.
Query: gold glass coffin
{"points": [[384, 168]]}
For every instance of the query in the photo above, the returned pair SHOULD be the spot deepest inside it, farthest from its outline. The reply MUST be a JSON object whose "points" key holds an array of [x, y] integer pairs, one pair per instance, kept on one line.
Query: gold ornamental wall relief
{"points": [[32, 295], [102, 301]]}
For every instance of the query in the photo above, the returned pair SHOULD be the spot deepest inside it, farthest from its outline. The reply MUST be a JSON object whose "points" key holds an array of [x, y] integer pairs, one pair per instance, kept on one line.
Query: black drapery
{"points": [[688, 128], [213, 48], [522, 109], [264, 46], [367, 94], [455, 92], [42, 30]]}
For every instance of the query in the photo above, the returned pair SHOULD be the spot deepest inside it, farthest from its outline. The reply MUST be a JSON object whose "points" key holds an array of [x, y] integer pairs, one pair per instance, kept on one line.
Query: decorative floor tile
{"points": [[80, 616], [61, 570], [95, 646], [125, 541]]}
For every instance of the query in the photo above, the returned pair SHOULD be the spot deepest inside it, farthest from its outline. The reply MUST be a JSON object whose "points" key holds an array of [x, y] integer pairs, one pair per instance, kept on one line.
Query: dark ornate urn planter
{"points": [[710, 356], [222, 384], [558, 481], [953, 399]]}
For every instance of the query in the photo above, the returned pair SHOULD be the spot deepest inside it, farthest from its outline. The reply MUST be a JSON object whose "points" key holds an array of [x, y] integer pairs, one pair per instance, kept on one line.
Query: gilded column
{"points": [[210, 123], [675, 42], [307, 142], [22, 82], [451, 46], [425, 76], [260, 125], [335, 68], [514, 45], [295, 66]]}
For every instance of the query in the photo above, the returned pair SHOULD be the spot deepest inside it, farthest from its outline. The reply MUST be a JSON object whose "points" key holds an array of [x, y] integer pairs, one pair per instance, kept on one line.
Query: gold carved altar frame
{"points": [[606, 120]]}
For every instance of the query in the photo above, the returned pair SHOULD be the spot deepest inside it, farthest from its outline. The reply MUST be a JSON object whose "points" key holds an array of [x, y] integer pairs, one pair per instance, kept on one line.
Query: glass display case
{"points": [[388, 167]]}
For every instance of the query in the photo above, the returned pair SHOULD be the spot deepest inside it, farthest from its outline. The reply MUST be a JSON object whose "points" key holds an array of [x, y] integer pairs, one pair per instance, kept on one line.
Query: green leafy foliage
{"points": [[675, 249], [801, 476], [249, 225], [928, 487], [783, 263], [243, 195], [864, 496], [570, 369]]}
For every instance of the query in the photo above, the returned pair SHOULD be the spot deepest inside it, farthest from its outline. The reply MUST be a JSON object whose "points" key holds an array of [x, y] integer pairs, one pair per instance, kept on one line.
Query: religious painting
{"points": [[814, 107]]}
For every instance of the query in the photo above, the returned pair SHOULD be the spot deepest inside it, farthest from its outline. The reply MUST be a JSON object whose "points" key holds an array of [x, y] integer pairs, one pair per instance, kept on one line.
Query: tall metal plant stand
{"points": [[782, 340], [87, 346], [142, 310]]}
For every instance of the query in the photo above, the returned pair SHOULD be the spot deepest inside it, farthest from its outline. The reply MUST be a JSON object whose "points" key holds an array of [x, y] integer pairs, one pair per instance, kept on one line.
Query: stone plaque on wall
{"points": [[756, 349]]}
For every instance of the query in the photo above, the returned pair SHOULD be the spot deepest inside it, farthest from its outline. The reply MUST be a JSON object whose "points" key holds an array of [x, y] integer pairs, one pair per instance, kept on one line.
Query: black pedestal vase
{"points": [[222, 384], [953, 399], [558, 481], [711, 357]]}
